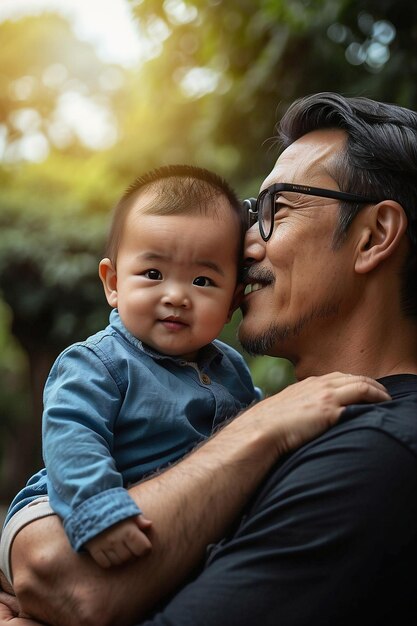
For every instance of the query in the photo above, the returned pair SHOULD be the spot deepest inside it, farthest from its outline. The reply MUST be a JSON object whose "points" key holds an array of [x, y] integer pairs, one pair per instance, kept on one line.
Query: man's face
{"points": [[298, 283]]}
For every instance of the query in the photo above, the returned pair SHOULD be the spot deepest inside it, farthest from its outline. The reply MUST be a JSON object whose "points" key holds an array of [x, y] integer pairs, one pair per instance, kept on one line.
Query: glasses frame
{"points": [[255, 206]]}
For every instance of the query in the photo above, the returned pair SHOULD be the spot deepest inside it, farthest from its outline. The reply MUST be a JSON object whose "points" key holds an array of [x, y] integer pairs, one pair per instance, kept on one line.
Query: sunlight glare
{"points": [[107, 24]]}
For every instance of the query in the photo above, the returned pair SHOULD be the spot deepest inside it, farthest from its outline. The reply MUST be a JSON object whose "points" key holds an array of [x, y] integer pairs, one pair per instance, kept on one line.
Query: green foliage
{"points": [[49, 253], [13, 369]]}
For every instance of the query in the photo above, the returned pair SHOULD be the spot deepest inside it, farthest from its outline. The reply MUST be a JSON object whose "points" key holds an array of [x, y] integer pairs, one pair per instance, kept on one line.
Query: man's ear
{"points": [[383, 229], [108, 276], [236, 300]]}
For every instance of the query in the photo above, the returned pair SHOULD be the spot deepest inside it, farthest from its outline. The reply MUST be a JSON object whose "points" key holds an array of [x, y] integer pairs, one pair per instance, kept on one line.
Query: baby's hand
{"points": [[120, 543]]}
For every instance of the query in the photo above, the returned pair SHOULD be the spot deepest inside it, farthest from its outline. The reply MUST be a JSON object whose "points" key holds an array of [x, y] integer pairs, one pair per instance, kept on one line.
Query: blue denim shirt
{"points": [[115, 410]]}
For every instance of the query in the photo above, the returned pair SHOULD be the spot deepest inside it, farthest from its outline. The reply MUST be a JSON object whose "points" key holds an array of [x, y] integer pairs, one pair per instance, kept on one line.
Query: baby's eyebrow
{"points": [[210, 265], [157, 256], [154, 256]]}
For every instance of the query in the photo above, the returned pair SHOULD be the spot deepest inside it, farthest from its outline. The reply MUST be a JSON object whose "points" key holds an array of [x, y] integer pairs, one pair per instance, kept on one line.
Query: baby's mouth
{"points": [[173, 323]]}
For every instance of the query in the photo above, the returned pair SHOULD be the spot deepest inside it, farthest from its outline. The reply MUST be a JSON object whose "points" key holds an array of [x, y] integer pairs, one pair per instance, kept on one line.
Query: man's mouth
{"points": [[251, 287], [256, 278]]}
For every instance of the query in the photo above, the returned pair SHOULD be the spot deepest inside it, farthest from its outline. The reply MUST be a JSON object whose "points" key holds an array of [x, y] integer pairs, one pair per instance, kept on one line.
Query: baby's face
{"points": [[176, 278]]}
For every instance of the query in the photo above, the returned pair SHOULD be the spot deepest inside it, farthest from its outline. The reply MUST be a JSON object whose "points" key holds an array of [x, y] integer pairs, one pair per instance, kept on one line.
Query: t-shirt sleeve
{"points": [[329, 539]]}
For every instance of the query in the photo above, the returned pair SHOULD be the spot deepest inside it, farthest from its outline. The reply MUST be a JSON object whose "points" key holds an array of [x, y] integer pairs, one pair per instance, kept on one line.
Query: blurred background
{"points": [[95, 92]]}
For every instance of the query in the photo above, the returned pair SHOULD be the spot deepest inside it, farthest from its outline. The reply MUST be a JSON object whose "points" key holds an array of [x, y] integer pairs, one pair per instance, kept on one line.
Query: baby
{"points": [[138, 395]]}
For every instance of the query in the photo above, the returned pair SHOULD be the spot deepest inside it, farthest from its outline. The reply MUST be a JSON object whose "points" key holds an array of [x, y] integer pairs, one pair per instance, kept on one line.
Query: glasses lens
{"points": [[265, 202]]}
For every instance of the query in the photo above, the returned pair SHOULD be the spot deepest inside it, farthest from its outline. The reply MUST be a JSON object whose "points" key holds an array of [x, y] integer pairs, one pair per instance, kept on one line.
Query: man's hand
{"points": [[9, 611], [307, 408], [120, 543]]}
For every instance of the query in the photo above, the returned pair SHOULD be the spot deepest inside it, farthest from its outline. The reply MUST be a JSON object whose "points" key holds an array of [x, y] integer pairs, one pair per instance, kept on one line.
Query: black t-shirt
{"points": [[330, 537]]}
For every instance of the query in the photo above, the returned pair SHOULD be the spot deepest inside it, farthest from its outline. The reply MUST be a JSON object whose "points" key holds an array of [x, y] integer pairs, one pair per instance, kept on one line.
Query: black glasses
{"points": [[264, 208]]}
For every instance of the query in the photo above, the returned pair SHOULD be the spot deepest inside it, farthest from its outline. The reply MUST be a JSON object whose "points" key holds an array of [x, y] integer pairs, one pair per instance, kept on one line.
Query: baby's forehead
{"points": [[146, 214], [183, 236], [144, 200], [160, 199]]}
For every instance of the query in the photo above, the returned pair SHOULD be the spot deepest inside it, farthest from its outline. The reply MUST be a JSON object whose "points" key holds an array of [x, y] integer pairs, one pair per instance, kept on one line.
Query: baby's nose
{"points": [[176, 297]]}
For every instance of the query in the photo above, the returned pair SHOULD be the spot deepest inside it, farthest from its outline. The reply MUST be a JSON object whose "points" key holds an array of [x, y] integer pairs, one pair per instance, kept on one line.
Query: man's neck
{"points": [[367, 349]]}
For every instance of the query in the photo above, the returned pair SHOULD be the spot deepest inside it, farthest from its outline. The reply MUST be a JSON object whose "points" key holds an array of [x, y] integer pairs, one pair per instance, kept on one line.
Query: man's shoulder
{"points": [[366, 462], [396, 418], [372, 440]]}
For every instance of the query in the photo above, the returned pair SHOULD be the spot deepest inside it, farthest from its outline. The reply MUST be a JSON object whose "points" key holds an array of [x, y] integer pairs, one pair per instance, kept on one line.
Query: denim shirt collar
{"points": [[207, 354]]}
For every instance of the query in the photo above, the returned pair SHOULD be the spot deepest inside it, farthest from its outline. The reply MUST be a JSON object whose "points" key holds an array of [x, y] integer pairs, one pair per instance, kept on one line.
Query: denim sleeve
{"points": [[36, 487], [240, 374], [82, 400]]}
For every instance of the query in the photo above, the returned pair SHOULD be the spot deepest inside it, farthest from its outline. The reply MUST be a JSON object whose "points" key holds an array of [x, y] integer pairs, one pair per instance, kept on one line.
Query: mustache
{"points": [[256, 274]]}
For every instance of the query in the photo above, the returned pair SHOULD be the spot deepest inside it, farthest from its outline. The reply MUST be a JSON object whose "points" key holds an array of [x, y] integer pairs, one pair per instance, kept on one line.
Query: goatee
{"points": [[268, 341]]}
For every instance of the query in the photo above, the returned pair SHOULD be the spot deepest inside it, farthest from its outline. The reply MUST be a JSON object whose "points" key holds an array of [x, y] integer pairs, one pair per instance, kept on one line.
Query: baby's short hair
{"points": [[178, 190]]}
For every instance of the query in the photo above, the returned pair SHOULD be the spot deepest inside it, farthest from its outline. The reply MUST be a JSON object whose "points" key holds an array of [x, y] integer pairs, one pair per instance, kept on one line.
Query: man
{"points": [[331, 535]]}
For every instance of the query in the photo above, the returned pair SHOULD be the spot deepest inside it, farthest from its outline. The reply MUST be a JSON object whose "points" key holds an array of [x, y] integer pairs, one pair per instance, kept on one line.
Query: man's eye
{"points": [[203, 281], [153, 274], [279, 204]]}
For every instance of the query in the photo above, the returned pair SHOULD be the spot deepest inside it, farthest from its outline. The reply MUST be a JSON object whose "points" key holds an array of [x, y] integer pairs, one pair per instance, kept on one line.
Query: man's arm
{"points": [[191, 505]]}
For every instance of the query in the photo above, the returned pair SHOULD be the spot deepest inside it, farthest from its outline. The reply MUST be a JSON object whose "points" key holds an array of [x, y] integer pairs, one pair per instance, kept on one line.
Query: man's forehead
{"points": [[308, 160]]}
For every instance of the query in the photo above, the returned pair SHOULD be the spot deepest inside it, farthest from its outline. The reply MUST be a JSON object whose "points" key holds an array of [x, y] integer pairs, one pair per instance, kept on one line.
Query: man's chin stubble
{"points": [[268, 342], [263, 342]]}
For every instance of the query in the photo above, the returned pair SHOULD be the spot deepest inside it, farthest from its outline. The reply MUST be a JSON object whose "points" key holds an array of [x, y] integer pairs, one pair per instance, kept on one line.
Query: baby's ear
{"points": [[384, 227], [236, 300], [108, 276]]}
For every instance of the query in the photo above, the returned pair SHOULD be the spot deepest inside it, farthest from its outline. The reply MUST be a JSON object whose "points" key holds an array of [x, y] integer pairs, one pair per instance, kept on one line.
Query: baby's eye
{"points": [[153, 274], [203, 281]]}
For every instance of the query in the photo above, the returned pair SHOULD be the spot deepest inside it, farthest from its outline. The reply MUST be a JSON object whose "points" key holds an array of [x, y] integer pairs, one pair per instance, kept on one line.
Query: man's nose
{"points": [[254, 248]]}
